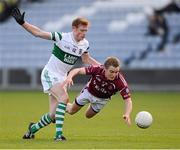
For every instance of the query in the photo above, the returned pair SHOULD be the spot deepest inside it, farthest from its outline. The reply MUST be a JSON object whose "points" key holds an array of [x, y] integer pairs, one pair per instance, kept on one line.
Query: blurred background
{"points": [[144, 35]]}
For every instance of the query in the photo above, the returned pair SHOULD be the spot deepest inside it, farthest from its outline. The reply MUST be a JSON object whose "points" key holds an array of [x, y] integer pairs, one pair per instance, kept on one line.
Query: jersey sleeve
{"points": [[87, 50], [125, 93], [86, 46], [56, 36], [123, 87]]}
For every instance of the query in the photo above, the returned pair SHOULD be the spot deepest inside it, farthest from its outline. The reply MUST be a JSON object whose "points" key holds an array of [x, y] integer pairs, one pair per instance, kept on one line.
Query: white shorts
{"points": [[96, 103], [49, 78]]}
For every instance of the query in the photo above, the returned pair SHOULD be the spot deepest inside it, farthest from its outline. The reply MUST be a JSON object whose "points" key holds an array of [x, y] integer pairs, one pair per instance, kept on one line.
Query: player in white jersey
{"points": [[68, 47]]}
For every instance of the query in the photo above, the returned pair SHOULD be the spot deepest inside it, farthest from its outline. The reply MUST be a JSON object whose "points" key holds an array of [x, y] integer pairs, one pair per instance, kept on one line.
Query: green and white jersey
{"points": [[65, 53]]}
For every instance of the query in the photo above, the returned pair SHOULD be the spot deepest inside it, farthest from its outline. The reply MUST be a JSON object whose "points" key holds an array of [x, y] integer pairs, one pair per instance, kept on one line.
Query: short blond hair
{"points": [[80, 21], [112, 61]]}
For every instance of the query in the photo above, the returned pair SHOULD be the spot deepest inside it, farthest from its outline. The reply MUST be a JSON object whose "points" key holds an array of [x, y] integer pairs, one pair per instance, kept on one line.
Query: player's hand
{"points": [[18, 16], [68, 82], [127, 119]]}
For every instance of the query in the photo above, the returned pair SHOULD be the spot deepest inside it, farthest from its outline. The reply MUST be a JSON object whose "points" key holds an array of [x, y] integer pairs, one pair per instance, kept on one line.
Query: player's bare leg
{"points": [[53, 103], [90, 112], [72, 108], [59, 92]]}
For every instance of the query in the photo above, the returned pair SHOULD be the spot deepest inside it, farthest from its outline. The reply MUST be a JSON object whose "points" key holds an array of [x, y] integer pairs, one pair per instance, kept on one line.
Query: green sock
{"points": [[44, 121], [60, 113]]}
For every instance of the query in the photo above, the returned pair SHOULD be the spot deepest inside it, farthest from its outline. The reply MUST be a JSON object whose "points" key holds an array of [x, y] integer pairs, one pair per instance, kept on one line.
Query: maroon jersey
{"points": [[101, 87]]}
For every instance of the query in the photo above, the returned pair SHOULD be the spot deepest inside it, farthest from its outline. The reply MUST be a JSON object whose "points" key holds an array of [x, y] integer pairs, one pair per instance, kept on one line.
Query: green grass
{"points": [[105, 131]]}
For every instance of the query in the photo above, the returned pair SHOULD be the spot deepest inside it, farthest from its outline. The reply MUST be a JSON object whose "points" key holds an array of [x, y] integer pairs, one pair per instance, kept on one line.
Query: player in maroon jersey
{"points": [[105, 81]]}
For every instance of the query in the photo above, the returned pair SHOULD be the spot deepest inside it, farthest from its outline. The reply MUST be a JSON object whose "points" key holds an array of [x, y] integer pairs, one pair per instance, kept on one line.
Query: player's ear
{"points": [[74, 27]]}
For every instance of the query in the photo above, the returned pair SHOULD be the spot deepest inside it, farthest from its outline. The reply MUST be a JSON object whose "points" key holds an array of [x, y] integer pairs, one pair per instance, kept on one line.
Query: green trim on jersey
{"points": [[53, 36], [63, 56]]}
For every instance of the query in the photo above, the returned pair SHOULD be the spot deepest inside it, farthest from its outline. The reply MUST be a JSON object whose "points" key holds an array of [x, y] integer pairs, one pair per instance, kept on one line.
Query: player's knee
{"points": [[88, 116], [71, 111]]}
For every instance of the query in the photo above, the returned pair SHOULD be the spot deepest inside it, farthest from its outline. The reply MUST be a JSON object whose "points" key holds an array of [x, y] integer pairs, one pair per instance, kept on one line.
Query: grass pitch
{"points": [[107, 130]]}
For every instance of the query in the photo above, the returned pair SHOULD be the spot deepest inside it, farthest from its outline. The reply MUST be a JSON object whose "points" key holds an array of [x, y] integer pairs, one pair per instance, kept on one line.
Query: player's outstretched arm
{"points": [[72, 73], [87, 59], [128, 109], [19, 17]]}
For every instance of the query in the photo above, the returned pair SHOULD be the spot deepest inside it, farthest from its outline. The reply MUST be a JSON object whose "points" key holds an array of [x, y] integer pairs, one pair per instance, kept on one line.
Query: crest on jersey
{"points": [[74, 50], [111, 86], [127, 90]]}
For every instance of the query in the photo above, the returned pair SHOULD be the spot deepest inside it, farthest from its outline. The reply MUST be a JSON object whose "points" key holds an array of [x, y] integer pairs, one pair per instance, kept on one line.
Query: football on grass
{"points": [[143, 119]]}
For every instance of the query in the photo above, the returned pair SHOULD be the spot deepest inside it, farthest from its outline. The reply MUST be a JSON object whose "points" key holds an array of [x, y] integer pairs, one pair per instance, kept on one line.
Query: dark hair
{"points": [[80, 21], [112, 61]]}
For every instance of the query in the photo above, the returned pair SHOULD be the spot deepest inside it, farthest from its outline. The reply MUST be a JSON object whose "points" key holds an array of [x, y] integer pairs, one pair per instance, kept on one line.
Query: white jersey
{"points": [[65, 53]]}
